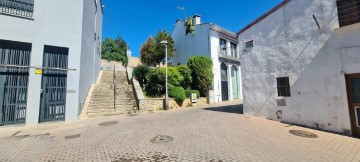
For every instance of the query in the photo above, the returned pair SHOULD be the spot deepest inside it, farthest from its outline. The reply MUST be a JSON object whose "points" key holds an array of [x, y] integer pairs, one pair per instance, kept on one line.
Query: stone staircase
{"points": [[102, 98]]}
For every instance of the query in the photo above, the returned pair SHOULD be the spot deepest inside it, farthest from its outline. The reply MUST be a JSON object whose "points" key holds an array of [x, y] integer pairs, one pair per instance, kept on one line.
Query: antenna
{"points": [[183, 9]]}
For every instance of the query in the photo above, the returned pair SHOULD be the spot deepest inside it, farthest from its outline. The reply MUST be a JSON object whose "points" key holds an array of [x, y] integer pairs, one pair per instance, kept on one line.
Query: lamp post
{"points": [[166, 77]]}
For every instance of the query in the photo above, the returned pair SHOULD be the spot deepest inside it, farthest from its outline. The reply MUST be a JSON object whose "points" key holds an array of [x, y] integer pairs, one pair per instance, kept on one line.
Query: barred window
{"points": [[283, 87], [21, 8], [348, 12]]}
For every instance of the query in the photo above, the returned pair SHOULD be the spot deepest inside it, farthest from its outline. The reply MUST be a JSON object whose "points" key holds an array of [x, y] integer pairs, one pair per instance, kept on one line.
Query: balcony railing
{"points": [[348, 12], [20, 8]]}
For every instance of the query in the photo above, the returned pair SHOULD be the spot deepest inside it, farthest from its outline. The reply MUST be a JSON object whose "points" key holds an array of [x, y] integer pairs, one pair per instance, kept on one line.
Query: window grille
{"points": [[20, 8]]}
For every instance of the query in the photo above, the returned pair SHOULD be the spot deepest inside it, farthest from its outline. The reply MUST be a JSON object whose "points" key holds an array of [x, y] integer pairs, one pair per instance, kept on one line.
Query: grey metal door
{"points": [[53, 86], [14, 77]]}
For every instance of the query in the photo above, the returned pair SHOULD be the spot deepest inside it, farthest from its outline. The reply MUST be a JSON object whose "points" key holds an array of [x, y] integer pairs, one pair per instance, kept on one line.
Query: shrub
{"points": [[188, 92], [155, 86], [140, 73], [185, 71], [177, 92], [174, 77], [202, 73]]}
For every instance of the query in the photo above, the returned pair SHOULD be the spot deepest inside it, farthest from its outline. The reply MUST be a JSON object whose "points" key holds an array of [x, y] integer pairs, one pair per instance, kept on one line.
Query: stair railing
{"points": [[114, 82]]}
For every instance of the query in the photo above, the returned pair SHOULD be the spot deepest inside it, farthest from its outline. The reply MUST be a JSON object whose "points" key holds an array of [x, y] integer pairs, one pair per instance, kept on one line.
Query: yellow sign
{"points": [[38, 71]]}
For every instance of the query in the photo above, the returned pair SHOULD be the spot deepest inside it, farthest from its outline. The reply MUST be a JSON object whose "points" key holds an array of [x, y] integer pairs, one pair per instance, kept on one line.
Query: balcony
{"points": [[228, 55], [18, 8]]}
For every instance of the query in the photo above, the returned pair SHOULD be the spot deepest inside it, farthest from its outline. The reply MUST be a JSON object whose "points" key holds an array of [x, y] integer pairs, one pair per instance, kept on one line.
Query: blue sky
{"points": [[136, 20]]}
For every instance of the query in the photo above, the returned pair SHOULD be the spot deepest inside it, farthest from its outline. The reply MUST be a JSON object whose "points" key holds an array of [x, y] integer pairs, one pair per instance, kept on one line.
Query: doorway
{"points": [[224, 83], [235, 81], [353, 91], [53, 84], [14, 78]]}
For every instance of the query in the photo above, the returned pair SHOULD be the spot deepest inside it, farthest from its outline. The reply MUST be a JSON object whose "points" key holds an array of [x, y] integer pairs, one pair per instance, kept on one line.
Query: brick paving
{"points": [[219, 133]]}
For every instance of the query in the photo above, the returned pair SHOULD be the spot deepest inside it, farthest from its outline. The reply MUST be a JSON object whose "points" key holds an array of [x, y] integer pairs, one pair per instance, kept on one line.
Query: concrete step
{"points": [[102, 99], [112, 104], [94, 115], [109, 109]]}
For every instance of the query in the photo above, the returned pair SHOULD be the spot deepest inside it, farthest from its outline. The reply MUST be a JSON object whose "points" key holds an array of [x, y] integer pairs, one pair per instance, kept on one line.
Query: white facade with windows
{"points": [[304, 64], [56, 45], [218, 44]]}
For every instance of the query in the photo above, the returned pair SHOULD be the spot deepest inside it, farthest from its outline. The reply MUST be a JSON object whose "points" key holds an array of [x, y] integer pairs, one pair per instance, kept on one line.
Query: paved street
{"points": [[220, 133]]}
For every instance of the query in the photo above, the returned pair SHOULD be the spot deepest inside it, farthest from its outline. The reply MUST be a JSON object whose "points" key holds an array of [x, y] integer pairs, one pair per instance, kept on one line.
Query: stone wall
{"points": [[148, 104]]}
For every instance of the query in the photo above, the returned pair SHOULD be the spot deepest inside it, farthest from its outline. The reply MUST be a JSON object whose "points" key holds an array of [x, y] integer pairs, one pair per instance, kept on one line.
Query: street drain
{"points": [[72, 136], [109, 123], [302, 133], [161, 139]]}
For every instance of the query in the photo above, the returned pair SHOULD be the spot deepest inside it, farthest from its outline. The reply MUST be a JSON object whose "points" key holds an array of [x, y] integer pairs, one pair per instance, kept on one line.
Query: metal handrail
{"points": [[114, 82], [37, 67]]}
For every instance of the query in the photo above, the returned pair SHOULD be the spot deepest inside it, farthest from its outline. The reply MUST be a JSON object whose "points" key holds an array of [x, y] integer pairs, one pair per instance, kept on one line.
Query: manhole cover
{"points": [[302, 133], [109, 123], [161, 139]]}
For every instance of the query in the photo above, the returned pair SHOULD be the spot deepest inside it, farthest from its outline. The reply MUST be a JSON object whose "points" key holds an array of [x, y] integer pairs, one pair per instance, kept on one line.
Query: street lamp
{"points": [[164, 42]]}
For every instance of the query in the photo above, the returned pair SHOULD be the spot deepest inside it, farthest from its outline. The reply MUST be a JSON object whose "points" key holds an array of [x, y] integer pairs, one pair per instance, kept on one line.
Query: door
{"points": [[353, 89], [235, 82], [224, 83], [53, 84], [14, 77]]}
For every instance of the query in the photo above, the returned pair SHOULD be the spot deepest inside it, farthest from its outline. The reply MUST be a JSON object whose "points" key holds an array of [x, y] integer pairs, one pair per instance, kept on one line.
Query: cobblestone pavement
{"points": [[198, 134]]}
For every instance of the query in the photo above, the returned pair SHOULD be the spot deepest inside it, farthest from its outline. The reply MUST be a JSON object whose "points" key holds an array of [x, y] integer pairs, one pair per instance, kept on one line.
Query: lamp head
{"points": [[164, 42]]}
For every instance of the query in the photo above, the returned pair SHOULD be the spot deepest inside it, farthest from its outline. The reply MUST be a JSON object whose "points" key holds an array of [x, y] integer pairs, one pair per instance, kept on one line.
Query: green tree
{"points": [[140, 73], [174, 77], [147, 51], [202, 73], [115, 50], [185, 71], [153, 53], [189, 26], [155, 86], [160, 49], [177, 92]]}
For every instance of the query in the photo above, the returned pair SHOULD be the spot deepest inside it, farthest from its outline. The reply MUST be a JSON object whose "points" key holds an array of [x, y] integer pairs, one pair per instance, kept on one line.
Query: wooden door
{"points": [[353, 90]]}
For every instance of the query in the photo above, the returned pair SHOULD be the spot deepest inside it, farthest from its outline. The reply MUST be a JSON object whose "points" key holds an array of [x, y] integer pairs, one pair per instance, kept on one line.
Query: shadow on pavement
{"points": [[237, 109]]}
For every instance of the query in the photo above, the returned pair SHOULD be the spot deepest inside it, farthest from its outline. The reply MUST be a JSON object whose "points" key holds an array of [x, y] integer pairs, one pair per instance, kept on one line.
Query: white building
{"points": [[301, 64], [218, 44], [49, 58]]}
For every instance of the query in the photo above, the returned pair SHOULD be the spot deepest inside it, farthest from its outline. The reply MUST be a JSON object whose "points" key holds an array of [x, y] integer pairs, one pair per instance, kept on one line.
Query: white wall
{"points": [[58, 24], [188, 45], [205, 42], [90, 50], [288, 43]]}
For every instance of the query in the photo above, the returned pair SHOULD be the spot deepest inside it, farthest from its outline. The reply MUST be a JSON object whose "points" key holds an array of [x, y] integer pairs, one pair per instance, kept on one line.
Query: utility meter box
{"points": [[193, 99]]}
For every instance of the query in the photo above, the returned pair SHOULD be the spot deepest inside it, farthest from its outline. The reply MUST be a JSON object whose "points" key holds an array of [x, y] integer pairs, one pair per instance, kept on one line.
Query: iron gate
{"points": [[53, 84], [13, 81]]}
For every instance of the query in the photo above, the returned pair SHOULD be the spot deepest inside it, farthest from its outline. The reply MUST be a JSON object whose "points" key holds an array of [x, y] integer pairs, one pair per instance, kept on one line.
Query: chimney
{"points": [[196, 19]]}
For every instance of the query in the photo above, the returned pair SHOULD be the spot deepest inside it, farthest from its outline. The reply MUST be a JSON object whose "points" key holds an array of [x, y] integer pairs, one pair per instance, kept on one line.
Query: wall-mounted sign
{"points": [[38, 71]]}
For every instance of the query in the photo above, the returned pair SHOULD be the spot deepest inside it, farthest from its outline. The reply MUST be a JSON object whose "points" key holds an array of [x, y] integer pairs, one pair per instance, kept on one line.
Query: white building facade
{"points": [[49, 57], [301, 65], [218, 44]]}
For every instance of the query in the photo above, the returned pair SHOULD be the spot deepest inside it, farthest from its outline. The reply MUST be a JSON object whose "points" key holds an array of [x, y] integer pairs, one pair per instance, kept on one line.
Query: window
{"points": [[249, 44], [348, 12], [283, 87], [233, 50], [222, 46], [20, 8]]}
